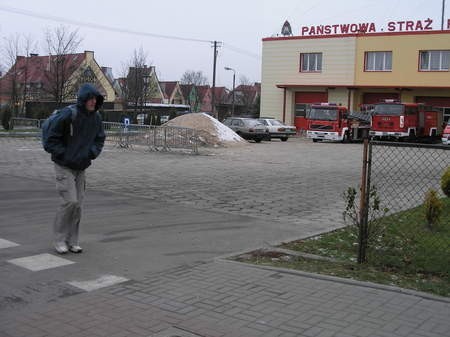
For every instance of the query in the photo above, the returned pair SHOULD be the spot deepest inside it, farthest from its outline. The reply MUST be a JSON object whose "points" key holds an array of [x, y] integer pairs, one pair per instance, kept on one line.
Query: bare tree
{"points": [[60, 43], [137, 79], [246, 93], [123, 82], [194, 77], [28, 46], [10, 81], [139, 83]]}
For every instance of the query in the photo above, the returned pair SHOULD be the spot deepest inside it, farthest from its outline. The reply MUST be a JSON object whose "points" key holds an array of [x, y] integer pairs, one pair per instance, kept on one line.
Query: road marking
{"points": [[40, 262], [101, 282], [7, 244]]}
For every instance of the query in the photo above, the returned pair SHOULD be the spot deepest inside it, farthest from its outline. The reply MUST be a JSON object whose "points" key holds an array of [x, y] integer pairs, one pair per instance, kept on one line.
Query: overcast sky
{"points": [[238, 24]]}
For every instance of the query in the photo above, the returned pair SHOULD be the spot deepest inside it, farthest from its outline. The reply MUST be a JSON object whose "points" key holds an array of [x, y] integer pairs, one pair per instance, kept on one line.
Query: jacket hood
{"points": [[86, 92]]}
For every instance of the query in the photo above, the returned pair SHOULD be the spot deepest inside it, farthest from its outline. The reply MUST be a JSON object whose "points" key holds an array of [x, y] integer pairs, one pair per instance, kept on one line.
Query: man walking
{"points": [[74, 138]]}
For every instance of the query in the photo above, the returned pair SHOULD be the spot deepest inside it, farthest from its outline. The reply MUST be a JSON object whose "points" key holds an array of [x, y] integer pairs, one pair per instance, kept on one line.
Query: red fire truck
{"points": [[405, 121], [327, 121]]}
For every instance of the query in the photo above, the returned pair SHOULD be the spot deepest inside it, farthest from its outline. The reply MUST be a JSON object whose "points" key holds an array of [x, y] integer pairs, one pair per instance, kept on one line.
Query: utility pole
{"points": [[213, 94], [234, 78], [443, 13]]}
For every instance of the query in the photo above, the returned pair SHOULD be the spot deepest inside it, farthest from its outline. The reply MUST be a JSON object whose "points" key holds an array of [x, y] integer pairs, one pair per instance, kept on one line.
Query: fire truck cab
{"points": [[405, 121], [327, 121]]}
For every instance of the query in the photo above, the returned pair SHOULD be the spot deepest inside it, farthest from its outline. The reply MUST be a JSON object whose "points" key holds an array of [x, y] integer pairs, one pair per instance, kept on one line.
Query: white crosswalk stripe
{"points": [[101, 282], [7, 244], [40, 262]]}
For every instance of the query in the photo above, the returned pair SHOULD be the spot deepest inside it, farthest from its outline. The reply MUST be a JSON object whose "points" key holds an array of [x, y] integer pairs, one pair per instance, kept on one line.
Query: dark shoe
{"points": [[61, 247], [75, 249]]}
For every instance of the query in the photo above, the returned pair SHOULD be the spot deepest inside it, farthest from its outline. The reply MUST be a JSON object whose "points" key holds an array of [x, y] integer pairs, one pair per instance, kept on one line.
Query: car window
{"points": [[235, 122], [276, 122], [263, 121], [253, 122]]}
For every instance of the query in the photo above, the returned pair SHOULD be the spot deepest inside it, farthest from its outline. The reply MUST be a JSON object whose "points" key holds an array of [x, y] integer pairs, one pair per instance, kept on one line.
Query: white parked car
{"points": [[446, 134], [278, 129]]}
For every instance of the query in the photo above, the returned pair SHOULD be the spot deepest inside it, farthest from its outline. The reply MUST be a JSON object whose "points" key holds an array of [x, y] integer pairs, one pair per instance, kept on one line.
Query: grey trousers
{"points": [[71, 186]]}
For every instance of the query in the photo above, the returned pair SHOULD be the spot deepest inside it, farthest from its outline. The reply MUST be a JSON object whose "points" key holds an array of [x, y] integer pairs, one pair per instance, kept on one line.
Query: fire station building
{"points": [[354, 69]]}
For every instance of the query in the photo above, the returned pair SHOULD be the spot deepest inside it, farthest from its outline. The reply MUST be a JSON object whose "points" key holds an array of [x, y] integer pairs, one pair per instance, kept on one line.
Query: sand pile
{"points": [[210, 130]]}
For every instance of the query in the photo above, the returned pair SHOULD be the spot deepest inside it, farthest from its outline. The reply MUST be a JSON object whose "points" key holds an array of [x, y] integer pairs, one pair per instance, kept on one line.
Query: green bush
{"points": [[6, 116], [445, 182], [433, 208]]}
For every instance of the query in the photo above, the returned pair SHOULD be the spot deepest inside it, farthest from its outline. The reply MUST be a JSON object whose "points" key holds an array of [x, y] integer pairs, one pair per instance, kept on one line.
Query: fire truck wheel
{"points": [[412, 136], [345, 138]]}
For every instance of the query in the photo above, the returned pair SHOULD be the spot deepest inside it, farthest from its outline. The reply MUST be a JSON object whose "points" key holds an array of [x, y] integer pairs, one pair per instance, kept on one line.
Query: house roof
{"points": [[250, 91], [186, 89], [168, 87], [141, 71], [108, 73], [220, 92], [203, 90], [33, 69], [244, 87]]}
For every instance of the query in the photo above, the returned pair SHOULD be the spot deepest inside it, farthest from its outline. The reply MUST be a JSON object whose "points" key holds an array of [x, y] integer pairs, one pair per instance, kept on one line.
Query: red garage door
{"points": [[443, 103], [434, 101], [377, 97], [302, 100]]}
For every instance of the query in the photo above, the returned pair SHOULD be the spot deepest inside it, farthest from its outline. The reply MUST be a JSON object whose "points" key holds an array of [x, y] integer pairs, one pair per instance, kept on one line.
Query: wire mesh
{"points": [[153, 138], [156, 138], [402, 176]]}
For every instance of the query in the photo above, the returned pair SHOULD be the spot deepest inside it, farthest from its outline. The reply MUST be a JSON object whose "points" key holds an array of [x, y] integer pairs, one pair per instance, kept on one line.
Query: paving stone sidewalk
{"points": [[228, 299]]}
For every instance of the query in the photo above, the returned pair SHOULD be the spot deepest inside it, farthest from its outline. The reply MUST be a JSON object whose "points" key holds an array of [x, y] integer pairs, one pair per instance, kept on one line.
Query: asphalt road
{"points": [[147, 212]]}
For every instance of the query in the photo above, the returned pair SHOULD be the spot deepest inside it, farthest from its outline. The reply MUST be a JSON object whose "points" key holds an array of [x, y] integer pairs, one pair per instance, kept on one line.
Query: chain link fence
{"points": [[400, 235]]}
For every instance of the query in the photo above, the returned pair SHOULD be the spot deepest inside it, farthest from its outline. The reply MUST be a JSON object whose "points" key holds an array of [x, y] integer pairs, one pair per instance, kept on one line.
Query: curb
{"points": [[339, 280]]}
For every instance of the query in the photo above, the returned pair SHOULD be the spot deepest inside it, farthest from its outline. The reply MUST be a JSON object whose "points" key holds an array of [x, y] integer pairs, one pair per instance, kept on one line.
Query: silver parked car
{"points": [[248, 128], [278, 129]]}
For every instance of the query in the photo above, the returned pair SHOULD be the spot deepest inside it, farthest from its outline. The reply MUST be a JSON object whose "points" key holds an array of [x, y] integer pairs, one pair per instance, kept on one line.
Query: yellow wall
{"points": [[405, 60], [110, 94], [281, 64], [343, 67]]}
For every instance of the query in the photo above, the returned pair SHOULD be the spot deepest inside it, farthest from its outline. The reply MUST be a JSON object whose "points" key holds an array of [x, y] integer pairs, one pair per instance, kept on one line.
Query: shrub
{"points": [[432, 208], [369, 230], [445, 182], [6, 116]]}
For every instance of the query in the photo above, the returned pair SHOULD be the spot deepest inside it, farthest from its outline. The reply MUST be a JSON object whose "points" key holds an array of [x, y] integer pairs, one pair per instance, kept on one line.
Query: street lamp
{"points": [[146, 82], [234, 77]]}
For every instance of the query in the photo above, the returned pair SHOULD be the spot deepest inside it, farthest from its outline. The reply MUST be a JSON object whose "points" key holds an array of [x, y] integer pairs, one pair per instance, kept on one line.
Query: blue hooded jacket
{"points": [[74, 144]]}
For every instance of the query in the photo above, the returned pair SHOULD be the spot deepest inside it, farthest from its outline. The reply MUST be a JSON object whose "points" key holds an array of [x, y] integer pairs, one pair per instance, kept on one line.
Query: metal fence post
{"points": [[362, 247]]}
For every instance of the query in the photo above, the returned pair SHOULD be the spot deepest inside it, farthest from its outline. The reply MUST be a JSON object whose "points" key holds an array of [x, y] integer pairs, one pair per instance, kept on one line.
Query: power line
{"points": [[94, 25], [241, 51], [118, 30]]}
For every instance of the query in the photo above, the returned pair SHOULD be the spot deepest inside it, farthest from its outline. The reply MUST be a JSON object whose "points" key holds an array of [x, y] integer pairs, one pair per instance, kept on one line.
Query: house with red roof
{"points": [[222, 102], [172, 92], [205, 97], [53, 79], [246, 98], [191, 97], [141, 87]]}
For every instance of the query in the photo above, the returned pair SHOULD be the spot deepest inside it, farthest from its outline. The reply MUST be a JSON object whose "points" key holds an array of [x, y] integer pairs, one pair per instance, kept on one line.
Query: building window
{"points": [[434, 60], [378, 61], [311, 62]]}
